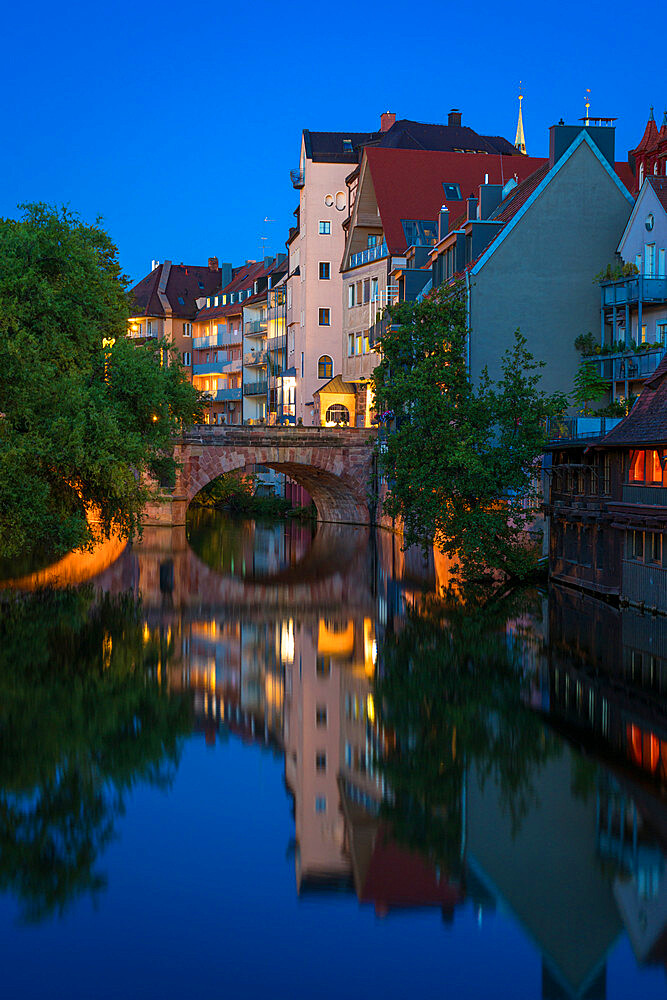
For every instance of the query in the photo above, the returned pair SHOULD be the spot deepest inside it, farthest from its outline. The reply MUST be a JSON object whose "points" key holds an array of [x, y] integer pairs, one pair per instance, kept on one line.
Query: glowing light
{"points": [[370, 708], [146, 633], [287, 642]]}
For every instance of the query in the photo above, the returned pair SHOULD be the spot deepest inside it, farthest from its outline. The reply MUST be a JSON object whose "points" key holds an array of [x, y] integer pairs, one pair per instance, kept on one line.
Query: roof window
{"points": [[201, 285], [347, 146], [452, 191], [420, 232]]}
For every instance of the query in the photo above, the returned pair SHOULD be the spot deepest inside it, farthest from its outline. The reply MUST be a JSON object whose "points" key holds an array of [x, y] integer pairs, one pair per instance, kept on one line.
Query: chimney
{"points": [[213, 263], [154, 264], [490, 196], [443, 222], [454, 117], [387, 119], [472, 207], [562, 136]]}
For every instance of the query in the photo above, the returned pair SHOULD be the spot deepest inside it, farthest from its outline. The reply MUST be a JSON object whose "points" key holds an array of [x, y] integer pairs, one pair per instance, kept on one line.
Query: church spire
{"points": [[520, 141]]}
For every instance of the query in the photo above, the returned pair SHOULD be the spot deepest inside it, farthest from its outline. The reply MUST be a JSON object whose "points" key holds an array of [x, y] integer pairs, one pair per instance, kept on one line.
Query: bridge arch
{"points": [[333, 464]]}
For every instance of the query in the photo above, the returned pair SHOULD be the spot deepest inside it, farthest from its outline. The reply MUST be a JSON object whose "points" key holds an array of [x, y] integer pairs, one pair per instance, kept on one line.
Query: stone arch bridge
{"points": [[335, 465]]}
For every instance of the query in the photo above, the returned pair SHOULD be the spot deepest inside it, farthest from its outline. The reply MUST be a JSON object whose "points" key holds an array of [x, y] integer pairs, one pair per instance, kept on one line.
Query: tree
{"points": [[588, 385], [86, 417], [462, 460]]}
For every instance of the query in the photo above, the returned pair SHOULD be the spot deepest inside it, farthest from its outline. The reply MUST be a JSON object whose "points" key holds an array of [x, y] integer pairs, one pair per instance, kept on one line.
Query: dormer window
{"points": [[201, 285], [347, 146], [452, 191], [181, 300]]}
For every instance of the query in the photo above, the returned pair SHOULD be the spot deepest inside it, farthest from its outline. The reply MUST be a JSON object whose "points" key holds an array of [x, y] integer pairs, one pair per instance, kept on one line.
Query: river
{"points": [[262, 759]]}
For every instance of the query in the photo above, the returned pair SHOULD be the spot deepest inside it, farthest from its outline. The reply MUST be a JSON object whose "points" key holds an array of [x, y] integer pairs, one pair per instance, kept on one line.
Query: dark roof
{"points": [[184, 283], [333, 147], [646, 423], [243, 279], [409, 183]]}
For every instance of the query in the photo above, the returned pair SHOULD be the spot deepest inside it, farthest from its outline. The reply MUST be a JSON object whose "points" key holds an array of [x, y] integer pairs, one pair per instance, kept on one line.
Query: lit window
{"points": [[654, 468], [320, 761], [324, 317], [325, 228], [325, 270], [325, 367], [320, 804], [338, 414], [359, 339], [350, 345], [637, 460], [367, 345]]}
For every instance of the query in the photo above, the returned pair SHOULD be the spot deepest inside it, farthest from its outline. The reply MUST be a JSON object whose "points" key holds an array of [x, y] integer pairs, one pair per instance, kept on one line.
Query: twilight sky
{"points": [[179, 124]]}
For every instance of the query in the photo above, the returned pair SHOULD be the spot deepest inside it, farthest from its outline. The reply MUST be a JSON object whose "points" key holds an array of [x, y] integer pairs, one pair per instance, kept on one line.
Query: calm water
{"points": [[253, 760]]}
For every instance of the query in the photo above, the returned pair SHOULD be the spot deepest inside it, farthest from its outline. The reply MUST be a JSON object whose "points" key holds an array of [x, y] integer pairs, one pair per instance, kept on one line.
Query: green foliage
{"points": [[83, 719], [81, 425], [237, 493], [586, 343], [463, 461], [616, 271], [450, 694], [588, 385]]}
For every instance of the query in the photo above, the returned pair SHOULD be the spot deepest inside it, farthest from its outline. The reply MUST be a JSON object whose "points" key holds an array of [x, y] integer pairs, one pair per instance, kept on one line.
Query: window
{"points": [[289, 296], [187, 329], [320, 804], [347, 146], [359, 342], [321, 716], [325, 270], [350, 296], [654, 545], [186, 358], [649, 260], [323, 666], [374, 290], [367, 290], [337, 414], [637, 461], [181, 300], [661, 332], [606, 475], [201, 286], [367, 344], [636, 545], [420, 232], [373, 240], [452, 191], [647, 467], [325, 228], [350, 345], [149, 327], [661, 263], [325, 367], [320, 761], [324, 317]]}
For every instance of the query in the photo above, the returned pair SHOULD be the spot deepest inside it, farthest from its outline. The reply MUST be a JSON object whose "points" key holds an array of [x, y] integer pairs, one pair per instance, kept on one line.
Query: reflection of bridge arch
{"points": [[333, 464]]}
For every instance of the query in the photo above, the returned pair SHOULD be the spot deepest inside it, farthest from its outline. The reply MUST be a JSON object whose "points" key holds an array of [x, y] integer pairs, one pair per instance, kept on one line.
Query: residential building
{"points": [[633, 306], [396, 198], [165, 302], [316, 242], [265, 348], [527, 253], [608, 500]]}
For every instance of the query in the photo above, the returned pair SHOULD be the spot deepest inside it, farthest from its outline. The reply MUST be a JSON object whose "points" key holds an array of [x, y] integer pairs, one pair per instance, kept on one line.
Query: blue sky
{"points": [[179, 124]]}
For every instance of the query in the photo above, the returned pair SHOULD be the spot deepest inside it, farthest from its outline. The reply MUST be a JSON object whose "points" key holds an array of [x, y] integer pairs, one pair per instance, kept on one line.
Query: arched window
{"points": [[325, 367], [338, 414]]}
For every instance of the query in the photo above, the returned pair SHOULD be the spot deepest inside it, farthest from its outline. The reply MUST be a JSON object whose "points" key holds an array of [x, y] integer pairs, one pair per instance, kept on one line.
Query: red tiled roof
{"points": [[659, 185], [649, 138], [408, 183], [183, 283], [243, 279], [646, 423]]}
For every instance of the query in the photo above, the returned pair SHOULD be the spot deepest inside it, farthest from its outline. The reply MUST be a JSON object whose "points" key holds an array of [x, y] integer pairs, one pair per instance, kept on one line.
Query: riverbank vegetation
{"points": [[86, 420], [461, 458], [241, 494]]}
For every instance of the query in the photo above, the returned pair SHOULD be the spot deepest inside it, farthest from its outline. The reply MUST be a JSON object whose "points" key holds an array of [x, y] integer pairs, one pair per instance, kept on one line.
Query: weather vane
{"points": [[587, 102]]}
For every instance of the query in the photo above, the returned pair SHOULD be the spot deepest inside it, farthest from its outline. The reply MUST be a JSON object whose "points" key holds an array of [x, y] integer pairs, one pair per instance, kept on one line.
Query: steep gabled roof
{"points": [[409, 183], [646, 423], [185, 284], [649, 138], [659, 185]]}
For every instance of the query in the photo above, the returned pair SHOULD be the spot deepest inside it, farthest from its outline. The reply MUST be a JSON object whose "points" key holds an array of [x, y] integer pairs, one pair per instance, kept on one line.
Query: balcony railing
{"points": [[275, 343], [217, 340], [255, 358], [371, 254], [576, 428], [255, 327], [634, 289], [255, 388], [142, 333], [297, 177], [226, 395], [628, 364], [217, 367]]}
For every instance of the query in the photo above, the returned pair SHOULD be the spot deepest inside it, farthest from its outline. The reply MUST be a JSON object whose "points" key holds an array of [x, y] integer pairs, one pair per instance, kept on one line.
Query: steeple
{"points": [[520, 141]]}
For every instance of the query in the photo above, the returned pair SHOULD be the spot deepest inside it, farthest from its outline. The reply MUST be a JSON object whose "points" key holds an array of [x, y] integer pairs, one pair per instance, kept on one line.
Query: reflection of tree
{"points": [[83, 718], [450, 695]]}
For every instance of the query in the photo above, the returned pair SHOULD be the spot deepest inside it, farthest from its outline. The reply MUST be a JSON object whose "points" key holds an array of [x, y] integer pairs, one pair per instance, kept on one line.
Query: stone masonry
{"points": [[335, 465]]}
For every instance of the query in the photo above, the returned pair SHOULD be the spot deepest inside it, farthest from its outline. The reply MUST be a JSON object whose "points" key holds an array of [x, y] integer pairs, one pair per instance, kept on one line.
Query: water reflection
{"points": [[504, 754]]}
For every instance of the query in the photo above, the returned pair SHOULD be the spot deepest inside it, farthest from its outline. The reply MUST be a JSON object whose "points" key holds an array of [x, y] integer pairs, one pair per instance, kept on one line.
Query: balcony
{"points": [[275, 343], [579, 428], [297, 178], [256, 327], [255, 358], [637, 288], [371, 254], [217, 367], [217, 340], [142, 334], [255, 388], [226, 395], [628, 364]]}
